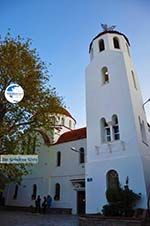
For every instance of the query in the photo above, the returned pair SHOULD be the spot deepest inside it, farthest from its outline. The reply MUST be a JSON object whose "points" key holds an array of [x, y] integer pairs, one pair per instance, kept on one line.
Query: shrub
{"points": [[120, 201]]}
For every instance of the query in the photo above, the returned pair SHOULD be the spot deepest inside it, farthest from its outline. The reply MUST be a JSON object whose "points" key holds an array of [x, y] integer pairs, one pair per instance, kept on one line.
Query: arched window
{"points": [[105, 131], [34, 192], [57, 192], [112, 179], [116, 43], [70, 124], [16, 192], [101, 45], [81, 155], [105, 75], [58, 158], [115, 126], [62, 121], [133, 78]]}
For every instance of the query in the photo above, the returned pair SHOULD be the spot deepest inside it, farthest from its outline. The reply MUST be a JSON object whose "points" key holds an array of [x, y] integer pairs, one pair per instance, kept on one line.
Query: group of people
{"points": [[47, 202]]}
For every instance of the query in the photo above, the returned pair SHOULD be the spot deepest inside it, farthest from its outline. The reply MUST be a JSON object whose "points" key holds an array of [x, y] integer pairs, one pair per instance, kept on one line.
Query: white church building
{"points": [[116, 141]]}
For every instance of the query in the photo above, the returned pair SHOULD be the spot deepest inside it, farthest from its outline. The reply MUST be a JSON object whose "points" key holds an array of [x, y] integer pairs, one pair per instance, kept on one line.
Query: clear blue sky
{"points": [[61, 30]]}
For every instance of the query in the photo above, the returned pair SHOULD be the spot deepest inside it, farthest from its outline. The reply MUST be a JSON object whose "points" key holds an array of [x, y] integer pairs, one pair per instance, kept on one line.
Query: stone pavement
{"points": [[14, 218]]}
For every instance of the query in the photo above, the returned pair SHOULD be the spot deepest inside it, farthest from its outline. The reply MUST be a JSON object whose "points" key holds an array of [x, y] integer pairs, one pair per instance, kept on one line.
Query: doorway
{"points": [[81, 202]]}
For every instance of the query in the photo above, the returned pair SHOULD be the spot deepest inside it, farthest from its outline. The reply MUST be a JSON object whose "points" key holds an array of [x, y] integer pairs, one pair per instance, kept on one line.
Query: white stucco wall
{"points": [[129, 156], [46, 174]]}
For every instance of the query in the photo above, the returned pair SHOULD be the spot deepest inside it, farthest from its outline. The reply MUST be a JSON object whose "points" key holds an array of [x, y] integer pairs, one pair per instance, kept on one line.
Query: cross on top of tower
{"points": [[108, 28]]}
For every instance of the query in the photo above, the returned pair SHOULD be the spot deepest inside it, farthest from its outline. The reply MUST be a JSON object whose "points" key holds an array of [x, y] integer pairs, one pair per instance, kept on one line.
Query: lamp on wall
{"points": [[146, 102], [74, 149]]}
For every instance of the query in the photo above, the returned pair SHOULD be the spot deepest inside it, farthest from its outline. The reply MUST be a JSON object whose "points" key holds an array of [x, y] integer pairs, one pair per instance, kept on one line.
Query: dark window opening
{"points": [[112, 179], [105, 75], [116, 43], [101, 45], [34, 193], [16, 192], [115, 127], [81, 155], [105, 131], [58, 158], [57, 192]]}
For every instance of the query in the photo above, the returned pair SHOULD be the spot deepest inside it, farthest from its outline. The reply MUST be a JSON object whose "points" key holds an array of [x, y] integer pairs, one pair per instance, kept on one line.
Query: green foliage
{"points": [[114, 195], [21, 64], [121, 201]]}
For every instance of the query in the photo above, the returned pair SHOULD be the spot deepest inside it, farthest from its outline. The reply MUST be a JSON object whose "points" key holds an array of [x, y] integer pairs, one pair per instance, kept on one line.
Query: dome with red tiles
{"points": [[72, 135]]}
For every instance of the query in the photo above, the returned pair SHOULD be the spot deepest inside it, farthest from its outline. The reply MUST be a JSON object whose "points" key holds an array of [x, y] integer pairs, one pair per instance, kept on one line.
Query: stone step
{"points": [[32, 209]]}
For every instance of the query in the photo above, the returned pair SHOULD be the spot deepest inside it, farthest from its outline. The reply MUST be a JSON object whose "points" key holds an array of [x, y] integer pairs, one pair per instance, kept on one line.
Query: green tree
{"points": [[20, 123]]}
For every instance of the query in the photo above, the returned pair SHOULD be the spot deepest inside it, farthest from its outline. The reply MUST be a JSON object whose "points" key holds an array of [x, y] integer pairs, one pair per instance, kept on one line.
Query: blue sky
{"points": [[61, 30]]}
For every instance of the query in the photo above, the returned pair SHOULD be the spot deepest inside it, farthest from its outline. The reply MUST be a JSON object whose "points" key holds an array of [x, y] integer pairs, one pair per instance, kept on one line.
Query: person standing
{"points": [[49, 201], [44, 204], [38, 204]]}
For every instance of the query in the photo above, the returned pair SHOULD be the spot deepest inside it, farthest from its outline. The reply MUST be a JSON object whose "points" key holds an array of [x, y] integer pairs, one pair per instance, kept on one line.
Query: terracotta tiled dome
{"points": [[76, 134]]}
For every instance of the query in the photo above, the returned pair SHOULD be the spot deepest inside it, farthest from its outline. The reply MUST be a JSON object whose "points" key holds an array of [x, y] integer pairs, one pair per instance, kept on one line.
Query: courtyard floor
{"points": [[14, 218]]}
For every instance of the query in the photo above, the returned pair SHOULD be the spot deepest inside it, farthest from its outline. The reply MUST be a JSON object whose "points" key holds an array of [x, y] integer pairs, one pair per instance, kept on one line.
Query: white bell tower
{"points": [[117, 130]]}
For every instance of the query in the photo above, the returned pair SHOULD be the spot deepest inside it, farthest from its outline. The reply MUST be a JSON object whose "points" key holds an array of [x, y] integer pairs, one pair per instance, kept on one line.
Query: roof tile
{"points": [[72, 135]]}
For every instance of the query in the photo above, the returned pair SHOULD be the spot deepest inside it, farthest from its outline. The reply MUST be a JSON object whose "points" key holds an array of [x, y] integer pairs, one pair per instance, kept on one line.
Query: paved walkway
{"points": [[12, 218]]}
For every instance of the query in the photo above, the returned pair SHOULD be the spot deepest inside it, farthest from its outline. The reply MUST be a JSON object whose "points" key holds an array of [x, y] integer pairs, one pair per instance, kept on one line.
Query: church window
{"points": [[105, 131], [115, 127], [16, 192], [134, 81], [105, 75], [58, 158], [116, 43], [128, 49], [143, 130], [70, 124], [81, 155], [112, 179], [62, 121], [101, 45], [57, 192], [34, 193]]}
